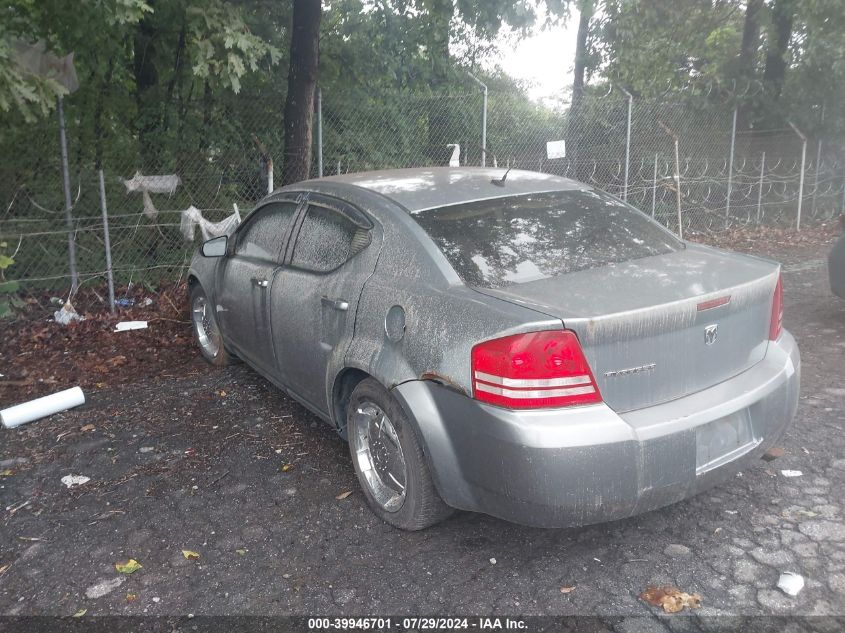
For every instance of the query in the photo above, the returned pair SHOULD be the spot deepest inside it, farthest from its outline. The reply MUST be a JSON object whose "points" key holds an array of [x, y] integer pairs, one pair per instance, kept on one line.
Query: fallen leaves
{"points": [[131, 597], [566, 589], [670, 599], [343, 495], [773, 454], [87, 428], [286, 468], [241, 552], [80, 613], [129, 567], [7, 473], [190, 554]]}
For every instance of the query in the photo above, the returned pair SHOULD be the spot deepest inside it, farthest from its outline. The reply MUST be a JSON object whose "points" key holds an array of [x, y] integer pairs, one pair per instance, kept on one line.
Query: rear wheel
{"points": [[206, 331], [389, 460]]}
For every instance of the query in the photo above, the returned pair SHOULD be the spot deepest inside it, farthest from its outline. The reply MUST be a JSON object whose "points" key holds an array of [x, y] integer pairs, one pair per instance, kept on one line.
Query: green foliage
{"points": [[28, 94], [222, 46], [8, 289]]}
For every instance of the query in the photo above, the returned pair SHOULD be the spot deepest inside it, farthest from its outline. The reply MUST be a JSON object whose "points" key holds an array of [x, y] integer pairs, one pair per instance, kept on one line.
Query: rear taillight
{"points": [[532, 371], [776, 324]]}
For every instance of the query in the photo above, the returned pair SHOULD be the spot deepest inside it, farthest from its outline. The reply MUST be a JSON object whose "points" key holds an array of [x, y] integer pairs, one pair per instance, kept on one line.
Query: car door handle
{"points": [[337, 304], [261, 283]]}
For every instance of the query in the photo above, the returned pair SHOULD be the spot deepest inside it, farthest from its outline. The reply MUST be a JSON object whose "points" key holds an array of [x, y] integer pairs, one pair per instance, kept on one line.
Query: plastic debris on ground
{"points": [[124, 326], [71, 481], [791, 473], [66, 315], [41, 407], [791, 583]]}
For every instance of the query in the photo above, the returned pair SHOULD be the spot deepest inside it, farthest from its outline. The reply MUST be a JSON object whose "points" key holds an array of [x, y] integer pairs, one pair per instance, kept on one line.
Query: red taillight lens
{"points": [[776, 324], [532, 371]]}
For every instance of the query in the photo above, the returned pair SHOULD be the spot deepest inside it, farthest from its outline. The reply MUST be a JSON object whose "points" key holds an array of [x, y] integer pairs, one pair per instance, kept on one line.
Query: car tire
{"points": [[206, 329], [420, 506]]}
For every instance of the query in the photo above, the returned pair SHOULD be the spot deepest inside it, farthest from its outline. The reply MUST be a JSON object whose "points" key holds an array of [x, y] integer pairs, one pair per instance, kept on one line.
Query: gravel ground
{"points": [[220, 463]]}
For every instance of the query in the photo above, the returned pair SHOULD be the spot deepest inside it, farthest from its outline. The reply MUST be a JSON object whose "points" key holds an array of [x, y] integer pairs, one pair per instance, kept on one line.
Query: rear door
{"points": [[245, 278], [315, 297]]}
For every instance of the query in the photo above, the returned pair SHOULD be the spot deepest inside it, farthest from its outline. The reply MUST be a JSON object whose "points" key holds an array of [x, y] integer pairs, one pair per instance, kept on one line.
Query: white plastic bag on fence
{"points": [[166, 183], [191, 217]]}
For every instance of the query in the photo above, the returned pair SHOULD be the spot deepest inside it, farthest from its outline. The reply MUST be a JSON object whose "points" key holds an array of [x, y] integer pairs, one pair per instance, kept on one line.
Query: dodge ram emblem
{"points": [[710, 334]]}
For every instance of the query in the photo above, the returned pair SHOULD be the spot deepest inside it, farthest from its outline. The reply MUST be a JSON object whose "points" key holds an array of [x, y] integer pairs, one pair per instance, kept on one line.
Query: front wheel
{"points": [[206, 331], [389, 460]]}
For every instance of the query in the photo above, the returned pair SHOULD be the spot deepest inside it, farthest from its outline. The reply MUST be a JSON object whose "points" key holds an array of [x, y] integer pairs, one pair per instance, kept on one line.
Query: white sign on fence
{"points": [[555, 149]]}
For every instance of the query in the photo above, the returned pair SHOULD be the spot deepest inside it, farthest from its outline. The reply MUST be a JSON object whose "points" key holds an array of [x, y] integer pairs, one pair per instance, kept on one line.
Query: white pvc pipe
{"points": [[41, 407]]}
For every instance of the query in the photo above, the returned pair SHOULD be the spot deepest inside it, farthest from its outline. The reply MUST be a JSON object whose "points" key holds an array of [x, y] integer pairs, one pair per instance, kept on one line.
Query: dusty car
{"points": [[517, 343], [836, 263]]}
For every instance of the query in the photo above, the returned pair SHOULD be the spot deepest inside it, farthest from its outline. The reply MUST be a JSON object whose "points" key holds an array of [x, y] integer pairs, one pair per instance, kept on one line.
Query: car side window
{"points": [[262, 237], [329, 238]]}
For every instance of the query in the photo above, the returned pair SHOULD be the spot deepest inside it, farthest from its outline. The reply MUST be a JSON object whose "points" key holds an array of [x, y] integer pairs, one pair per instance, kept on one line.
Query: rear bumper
{"points": [[588, 464]]}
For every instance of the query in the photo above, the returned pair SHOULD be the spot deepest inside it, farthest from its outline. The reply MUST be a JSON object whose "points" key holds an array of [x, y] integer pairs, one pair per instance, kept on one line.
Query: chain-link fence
{"points": [[679, 159]]}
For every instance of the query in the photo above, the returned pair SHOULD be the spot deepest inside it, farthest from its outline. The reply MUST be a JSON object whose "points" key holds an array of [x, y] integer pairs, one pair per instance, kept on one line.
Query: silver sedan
{"points": [[524, 346]]}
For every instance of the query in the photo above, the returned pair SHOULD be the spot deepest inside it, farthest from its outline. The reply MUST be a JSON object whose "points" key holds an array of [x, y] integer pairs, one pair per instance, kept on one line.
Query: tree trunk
{"points": [[146, 78], [302, 84], [439, 16], [783, 13], [573, 131], [586, 8], [747, 69], [750, 39]]}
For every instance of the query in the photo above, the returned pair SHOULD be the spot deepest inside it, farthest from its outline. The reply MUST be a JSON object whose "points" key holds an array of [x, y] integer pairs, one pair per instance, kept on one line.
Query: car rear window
{"points": [[517, 239]]}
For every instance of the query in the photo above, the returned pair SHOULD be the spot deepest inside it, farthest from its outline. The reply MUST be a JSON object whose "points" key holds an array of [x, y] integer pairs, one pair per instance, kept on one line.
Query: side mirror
{"points": [[215, 247]]}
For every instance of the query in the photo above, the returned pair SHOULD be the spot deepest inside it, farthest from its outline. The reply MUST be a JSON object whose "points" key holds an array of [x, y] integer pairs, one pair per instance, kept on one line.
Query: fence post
{"points": [[760, 188], [654, 187], [319, 132], [816, 183], [818, 164], [107, 240], [71, 239], [483, 119], [730, 171], [801, 181], [674, 136], [627, 143]]}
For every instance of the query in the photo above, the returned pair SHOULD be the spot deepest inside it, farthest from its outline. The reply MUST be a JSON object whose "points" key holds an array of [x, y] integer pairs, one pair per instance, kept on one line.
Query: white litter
{"points": [[192, 217], [152, 184], [41, 407], [455, 159], [72, 481], [66, 314], [791, 473], [123, 326], [791, 583], [492, 561]]}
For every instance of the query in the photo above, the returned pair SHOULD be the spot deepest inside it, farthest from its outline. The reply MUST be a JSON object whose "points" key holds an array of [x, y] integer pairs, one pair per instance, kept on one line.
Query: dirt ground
{"points": [[182, 456]]}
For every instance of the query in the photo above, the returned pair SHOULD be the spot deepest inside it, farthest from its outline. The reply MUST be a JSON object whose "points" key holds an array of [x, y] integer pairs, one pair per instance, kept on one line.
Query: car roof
{"points": [[432, 187]]}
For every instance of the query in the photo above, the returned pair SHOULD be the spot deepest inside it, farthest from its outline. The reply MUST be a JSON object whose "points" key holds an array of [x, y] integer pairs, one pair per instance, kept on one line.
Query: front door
{"points": [[315, 298], [246, 277]]}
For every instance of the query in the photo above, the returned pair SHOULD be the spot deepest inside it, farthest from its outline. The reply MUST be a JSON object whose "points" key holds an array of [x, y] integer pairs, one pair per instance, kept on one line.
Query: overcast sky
{"points": [[545, 59]]}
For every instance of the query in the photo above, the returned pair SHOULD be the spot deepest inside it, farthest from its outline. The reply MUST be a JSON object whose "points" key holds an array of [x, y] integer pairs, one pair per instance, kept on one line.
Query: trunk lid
{"points": [[660, 328]]}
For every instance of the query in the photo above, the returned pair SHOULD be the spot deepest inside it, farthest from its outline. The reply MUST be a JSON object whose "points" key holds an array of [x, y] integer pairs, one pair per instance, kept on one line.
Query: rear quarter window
{"points": [[518, 239]]}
